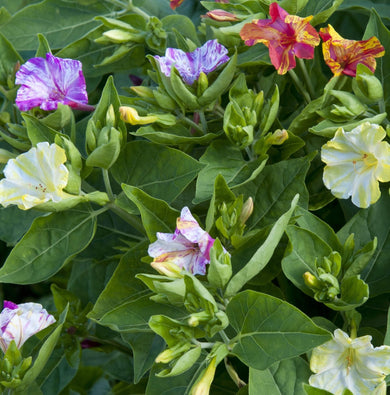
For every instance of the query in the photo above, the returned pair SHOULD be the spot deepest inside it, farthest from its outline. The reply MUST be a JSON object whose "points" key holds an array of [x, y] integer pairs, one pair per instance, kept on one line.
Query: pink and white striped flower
{"points": [[20, 322], [188, 248]]}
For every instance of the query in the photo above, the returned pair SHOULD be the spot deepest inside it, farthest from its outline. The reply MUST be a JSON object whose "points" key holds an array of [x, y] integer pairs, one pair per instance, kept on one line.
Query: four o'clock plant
{"points": [[197, 193]]}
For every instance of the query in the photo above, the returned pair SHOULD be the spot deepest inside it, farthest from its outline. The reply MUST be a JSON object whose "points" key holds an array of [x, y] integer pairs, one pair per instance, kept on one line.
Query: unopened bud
{"points": [[171, 353], [202, 386], [143, 91], [130, 115], [118, 36], [167, 268], [203, 83], [247, 210], [221, 16], [278, 137], [197, 318], [312, 281], [110, 116], [5, 155]]}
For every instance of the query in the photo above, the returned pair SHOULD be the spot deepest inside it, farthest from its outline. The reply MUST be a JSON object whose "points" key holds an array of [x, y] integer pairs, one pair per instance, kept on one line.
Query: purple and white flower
{"points": [[190, 64], [47, 82], [19, 322], [188, 248]]}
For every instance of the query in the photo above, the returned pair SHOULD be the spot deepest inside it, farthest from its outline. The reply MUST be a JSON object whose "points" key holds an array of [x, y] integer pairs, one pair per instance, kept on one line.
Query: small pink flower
{"points": [[20, 322], [47, 82], [189, 247]]}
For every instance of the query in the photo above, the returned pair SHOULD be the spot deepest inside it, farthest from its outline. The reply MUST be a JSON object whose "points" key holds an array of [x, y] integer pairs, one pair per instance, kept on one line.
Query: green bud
{"points": [[220, 268], [203, 83], [163, 100], [185, 362], [366, 86], [143, 91], [197, 318], [110, 116], [118, 36], [5, 155], [258, 103], [350, 104], [172, 353], [311, 281]]}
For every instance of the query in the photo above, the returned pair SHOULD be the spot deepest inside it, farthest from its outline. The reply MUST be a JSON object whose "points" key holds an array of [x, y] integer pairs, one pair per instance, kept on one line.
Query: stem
{"points": [[219, 110], [306, 76], [137, 10], [107, 184], [112, 343], [299, 86], [129, 218], [249, 152], [203, 344], [224, 337], [353, 329], [189, 122], [203, 121]]}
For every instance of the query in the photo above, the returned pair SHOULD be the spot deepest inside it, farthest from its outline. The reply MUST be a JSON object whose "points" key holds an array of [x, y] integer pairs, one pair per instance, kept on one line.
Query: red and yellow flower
{"points": [[286, 36], [342, 55], [175, 3]]}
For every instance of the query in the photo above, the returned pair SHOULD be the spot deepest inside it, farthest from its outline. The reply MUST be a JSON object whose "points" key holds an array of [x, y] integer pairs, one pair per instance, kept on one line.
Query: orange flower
{"points": [[342, 55], [285, 35]]}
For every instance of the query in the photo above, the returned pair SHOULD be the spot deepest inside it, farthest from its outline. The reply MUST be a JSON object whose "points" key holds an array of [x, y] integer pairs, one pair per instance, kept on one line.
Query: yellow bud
{"points": [[130, 115], [167, 268], [279, 137], [311, 281], [247, 210], [202, 386], [143, 91]]}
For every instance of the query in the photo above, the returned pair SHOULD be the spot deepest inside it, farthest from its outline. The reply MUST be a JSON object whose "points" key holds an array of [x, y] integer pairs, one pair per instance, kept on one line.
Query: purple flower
{"points": [[20, 322], [47, 82], [189, 247], [190, 64]]}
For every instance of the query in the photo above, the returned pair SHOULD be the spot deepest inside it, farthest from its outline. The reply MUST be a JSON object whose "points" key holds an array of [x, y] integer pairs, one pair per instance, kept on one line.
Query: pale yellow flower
{"points": [[355, 162], [350, 363], [36, 176]]}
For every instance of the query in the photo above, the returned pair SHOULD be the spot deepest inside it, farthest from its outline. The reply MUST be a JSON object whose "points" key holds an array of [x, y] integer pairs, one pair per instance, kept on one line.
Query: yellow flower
{"points": [[355, 162], [202, 386], [37, 176], [350, 363], [130, 115]]}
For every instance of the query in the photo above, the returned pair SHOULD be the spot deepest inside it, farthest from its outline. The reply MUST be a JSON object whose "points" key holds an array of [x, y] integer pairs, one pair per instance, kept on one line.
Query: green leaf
{"points": [[303, 249], [274, 189], [146, 346], [156, 214], [315, 391], [270, 330], [386, 341], [366, 225], [125, 304], [375, 27], [159, 171], [44, 353], [51, 242], [284, 377], [262, 256], [8, 59], [227, 160], [321, 10], [75, 21], [43, 47], [37, 131]]}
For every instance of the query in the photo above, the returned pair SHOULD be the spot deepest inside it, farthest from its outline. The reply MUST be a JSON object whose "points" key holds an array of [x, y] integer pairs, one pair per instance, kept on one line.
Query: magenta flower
{"points": [[189, 247], [190, 64], [20, 322], [47, 82]]}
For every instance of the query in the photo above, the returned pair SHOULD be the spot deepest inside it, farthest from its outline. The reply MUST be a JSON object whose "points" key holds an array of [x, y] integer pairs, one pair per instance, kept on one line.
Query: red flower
{"points": [[175, 3], [342, 55], [285, 35]]}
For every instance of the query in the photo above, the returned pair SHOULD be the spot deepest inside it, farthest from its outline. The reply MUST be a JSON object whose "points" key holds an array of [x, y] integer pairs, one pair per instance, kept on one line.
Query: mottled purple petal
{"points": [[190, 64], [47, 82]]}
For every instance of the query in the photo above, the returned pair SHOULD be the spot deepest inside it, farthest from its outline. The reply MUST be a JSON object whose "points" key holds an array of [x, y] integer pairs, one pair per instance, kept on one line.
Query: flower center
{"points": [[369, 160]]}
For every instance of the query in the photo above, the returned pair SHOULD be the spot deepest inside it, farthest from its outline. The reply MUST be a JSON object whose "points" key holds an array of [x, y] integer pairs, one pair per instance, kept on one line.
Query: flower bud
{"points": [[202, 386], [278, 137], [247, 210], [221, 16], [130, 115], [143, 91], [167, 268], [312, 281], [171, 353]]}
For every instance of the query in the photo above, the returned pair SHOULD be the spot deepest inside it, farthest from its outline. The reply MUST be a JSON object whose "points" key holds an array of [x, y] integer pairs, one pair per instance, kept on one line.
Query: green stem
{"points": [[203, 121], [131, 219], [224, 337], [306, 76], [137, 10], [249, 152], [112, 343], [189, 122], [299, 86], [203, 344], [107, 184]]}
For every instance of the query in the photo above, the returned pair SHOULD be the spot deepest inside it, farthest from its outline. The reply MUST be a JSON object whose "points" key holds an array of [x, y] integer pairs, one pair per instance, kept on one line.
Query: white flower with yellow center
{"points": [[350, 363], [355, 162], [37, 176]]}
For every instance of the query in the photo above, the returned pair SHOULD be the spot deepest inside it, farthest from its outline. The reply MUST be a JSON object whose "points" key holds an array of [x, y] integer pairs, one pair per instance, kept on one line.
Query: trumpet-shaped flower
{"points": [[286, 36], [189, 247], [190, 64], [37, 176], [47, 82], [342, 55], [355, 162], [20, 322], [350, 363]]}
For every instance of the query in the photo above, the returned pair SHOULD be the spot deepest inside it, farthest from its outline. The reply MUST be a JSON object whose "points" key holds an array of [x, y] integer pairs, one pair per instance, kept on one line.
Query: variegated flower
{"points": [[350, 363], [355, 163], [20, 322], [189, 247], [36, 176]]}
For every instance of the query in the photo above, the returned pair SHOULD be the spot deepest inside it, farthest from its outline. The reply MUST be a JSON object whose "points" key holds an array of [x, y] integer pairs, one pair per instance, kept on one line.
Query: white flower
{"points": [[355, 162], [20, 322], [350, 363], [36, 176]]}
